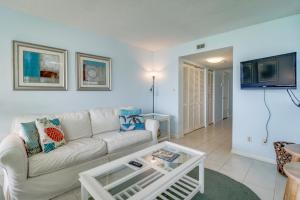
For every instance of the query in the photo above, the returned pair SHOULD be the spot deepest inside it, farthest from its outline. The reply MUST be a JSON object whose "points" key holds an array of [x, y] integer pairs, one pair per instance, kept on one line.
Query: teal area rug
{"points": [[220, 187]]}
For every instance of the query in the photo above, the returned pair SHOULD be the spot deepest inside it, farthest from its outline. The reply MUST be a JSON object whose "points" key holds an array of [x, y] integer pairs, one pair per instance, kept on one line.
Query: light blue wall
{"points": [[130, 86], [249, 114]]}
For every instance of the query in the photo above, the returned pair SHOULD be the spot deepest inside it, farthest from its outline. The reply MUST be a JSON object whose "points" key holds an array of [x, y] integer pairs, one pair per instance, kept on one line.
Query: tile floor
{"points": [[215, 140]]}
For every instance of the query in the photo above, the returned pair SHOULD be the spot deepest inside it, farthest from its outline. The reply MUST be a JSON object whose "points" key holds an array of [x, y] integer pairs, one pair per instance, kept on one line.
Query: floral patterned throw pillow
{"points": [[51, 134]]}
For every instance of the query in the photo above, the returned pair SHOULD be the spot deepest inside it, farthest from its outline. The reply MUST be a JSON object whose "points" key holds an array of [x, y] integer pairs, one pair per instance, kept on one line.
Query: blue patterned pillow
{"points": [[30, 135], [131, 119]]}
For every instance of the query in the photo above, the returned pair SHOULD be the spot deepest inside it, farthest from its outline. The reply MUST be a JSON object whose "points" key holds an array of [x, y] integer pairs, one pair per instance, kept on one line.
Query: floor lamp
{"points": [[152, 89]]}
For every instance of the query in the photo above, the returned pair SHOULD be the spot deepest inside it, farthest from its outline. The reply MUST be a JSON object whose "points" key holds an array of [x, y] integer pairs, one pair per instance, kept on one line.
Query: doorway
{"points": [[205, 89]]}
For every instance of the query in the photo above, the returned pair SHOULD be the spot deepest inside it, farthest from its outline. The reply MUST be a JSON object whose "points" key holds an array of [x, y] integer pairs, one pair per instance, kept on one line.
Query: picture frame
{"points": [[93, 72], [39, 67]]}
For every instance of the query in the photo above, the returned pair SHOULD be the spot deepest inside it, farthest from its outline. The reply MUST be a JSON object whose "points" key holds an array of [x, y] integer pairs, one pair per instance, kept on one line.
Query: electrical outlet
{"points": [[249, 139]]}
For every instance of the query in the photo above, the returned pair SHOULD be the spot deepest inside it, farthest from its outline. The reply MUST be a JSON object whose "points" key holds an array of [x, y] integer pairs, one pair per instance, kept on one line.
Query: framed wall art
{"points": [[93, 72], [38, 67]]}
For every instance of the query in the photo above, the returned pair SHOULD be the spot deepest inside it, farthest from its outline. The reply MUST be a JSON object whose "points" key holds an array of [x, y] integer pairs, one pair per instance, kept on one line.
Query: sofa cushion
{"points": [[116, 140], [75, 125], [16, 124], [72, 153], [104, 119]]}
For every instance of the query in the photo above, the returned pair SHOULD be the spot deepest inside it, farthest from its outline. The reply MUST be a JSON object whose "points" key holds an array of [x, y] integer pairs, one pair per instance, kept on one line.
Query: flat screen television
{"points": [[271, 72]]}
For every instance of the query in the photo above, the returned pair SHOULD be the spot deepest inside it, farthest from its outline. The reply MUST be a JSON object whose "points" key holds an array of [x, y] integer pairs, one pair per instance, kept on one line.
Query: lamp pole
{"points": [[153, 85]]}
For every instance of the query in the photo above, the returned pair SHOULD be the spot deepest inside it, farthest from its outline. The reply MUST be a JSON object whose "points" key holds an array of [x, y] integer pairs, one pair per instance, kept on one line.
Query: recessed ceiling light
{"points": [[215, 59]]}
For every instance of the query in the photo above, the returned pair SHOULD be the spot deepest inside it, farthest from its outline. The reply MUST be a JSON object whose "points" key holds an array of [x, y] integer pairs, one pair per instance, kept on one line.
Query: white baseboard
{"points": [[256, 157]]}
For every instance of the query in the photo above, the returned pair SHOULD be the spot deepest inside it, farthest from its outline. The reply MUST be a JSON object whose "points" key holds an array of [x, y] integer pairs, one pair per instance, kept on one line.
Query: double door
{"points": [[193, 98]]}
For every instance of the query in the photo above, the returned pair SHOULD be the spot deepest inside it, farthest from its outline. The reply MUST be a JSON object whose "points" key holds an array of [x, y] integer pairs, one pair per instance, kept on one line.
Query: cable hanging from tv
{"points": [[269, 117], [293, 97]]}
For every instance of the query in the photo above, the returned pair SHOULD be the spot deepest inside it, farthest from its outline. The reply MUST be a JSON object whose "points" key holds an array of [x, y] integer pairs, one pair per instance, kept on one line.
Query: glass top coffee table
{"points": [[157, 178]]}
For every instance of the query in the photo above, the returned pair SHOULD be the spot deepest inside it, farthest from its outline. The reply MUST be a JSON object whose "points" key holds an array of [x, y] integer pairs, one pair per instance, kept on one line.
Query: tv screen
{"points": [[271, 72]]}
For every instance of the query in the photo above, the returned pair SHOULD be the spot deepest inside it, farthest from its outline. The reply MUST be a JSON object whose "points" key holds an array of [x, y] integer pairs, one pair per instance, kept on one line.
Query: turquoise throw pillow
{"points": [[30, 135], [131, 119]]}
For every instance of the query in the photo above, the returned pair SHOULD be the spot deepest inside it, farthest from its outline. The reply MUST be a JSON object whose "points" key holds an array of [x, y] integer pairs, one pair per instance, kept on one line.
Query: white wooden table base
{"points": [[169, 183]]}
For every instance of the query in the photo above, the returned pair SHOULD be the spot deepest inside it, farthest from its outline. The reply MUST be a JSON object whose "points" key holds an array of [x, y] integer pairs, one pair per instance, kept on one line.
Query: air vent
{"points": [[200, 46]]}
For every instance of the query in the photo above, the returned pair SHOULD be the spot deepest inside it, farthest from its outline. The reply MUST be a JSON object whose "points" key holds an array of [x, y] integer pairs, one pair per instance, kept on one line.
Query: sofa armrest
{"points": [[153, 126], [13, 158]]}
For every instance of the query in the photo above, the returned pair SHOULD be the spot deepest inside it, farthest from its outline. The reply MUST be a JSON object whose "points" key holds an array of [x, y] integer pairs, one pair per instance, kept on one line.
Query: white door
{"points": [[210, 93], [193, 98], [185, 99], [191, 90], [225, 92], [202, 97], [197, 99]]}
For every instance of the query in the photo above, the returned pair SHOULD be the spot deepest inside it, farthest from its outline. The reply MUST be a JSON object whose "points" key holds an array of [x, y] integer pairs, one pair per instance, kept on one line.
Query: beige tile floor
{"points": [[215, 140]]}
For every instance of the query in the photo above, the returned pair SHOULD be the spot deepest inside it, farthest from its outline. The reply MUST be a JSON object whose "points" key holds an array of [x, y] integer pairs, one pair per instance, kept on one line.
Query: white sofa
{"points": [[93, 138]]}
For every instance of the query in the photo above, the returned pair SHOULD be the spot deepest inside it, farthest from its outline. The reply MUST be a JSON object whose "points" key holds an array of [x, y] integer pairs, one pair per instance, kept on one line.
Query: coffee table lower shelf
{"points": [[185, 188]]}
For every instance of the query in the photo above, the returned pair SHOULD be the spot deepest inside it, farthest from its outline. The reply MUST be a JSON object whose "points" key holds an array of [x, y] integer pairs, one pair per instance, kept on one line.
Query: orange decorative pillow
{"points": [[51, 134]]}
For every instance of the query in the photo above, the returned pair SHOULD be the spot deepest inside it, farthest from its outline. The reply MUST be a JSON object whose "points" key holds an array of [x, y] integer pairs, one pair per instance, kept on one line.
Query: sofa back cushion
{"points": [[75, 125], [104, 120], [16, 124]]}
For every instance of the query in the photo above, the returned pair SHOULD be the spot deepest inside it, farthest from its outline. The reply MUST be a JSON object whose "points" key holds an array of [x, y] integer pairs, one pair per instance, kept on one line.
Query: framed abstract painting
{"points": [[93, 72], [38, 67]]}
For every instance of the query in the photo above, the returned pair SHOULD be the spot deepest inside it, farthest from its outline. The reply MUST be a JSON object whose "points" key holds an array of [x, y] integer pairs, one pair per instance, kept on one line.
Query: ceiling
{"points": [[156, 24], [200, 58]]}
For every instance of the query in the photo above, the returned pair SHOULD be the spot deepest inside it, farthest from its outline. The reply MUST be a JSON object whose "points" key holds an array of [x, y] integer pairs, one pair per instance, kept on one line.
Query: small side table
{"points": [[292, 188], [162, 118], [294, 150]]}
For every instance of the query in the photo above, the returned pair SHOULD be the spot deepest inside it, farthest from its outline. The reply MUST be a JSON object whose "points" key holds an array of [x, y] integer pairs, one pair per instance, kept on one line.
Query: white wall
{"points": [[249, 114], [130, 86]]}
